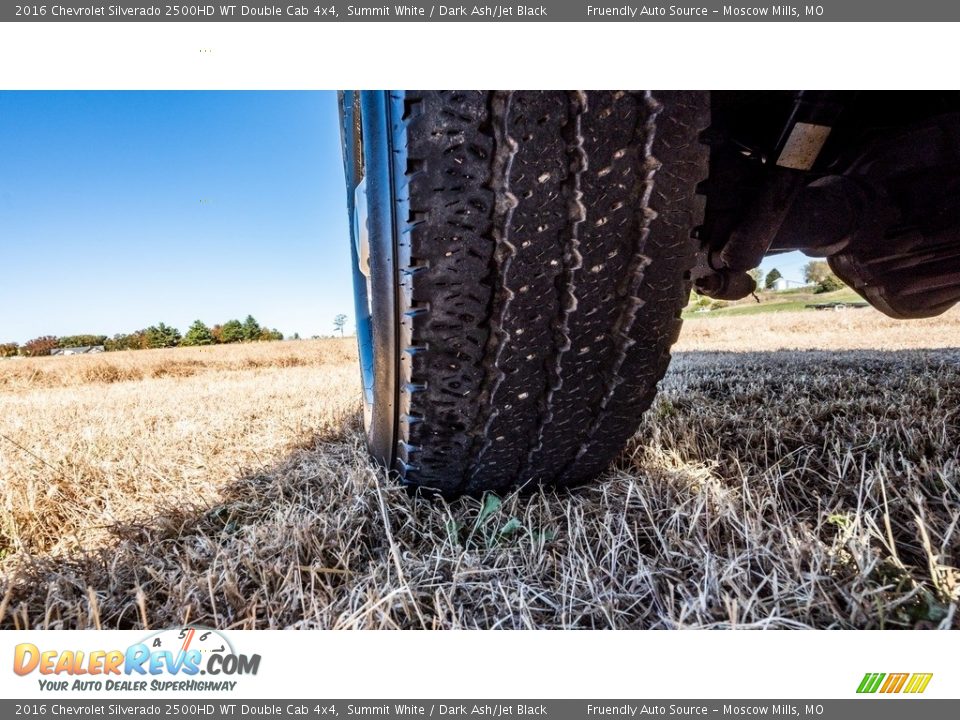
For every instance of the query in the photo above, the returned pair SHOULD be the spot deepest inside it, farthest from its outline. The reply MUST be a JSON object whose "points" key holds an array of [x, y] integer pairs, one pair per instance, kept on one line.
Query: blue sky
{"points": [[119, 210]]}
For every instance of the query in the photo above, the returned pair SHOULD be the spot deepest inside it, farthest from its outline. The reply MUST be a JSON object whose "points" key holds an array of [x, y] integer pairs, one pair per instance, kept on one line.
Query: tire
{"points": [[529, 258]]}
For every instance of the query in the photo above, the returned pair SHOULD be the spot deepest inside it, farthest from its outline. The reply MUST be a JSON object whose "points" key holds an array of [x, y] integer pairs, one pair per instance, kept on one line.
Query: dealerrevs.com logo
{"points": [[168, 660]]}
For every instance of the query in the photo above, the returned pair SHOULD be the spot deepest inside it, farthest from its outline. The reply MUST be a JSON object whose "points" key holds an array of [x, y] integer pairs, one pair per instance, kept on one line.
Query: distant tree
{"points": [[81, 340], [268, 335], [251, 329], [137, 340], [757, 275], [162, 336], [198, 334], [818, 272], [231, 332], [830, 283], [39, 346], [338, 322], [771, 281], [815, 271], [296, 336], [9, 349]]}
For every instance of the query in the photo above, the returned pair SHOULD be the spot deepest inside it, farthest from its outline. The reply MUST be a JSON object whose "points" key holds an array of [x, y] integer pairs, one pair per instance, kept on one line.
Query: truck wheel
{"points": [[521, 260]]}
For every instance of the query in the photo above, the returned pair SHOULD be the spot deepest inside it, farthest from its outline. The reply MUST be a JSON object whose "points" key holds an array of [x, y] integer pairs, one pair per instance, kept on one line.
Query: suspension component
{"points": [[723, 274]]}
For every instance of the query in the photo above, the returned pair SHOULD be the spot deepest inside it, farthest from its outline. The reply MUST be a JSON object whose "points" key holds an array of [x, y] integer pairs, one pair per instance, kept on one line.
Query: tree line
{"points": [[160, 335]]}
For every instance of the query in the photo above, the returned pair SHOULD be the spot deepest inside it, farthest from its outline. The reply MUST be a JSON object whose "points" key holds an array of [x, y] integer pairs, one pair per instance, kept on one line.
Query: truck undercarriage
{"points": [[868, 180]]}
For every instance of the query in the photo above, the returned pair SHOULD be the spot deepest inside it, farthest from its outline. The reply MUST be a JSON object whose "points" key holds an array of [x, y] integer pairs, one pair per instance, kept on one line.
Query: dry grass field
{"points": [[798, 470]]}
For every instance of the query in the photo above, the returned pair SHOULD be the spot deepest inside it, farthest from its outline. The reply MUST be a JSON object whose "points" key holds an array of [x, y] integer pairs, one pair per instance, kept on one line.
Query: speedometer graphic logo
{"points": [[190, 637]]}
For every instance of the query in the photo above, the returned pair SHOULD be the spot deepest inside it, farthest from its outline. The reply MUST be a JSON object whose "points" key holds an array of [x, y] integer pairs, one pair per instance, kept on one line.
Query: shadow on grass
{"points": [[781, 489]]}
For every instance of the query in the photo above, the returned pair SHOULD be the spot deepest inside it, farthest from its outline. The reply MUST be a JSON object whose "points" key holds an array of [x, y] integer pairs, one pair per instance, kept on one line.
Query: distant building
{"points": [[82, 350], [784, 284]]}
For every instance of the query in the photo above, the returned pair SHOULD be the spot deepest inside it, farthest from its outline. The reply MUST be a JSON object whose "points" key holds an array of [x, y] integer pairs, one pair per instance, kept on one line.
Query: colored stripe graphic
{"points": [[894, 683], [871, 682], [918, 682]]}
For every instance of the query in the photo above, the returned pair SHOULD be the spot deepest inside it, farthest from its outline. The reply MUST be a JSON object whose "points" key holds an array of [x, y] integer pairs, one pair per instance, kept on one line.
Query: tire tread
{"points": [[544, 257]]}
